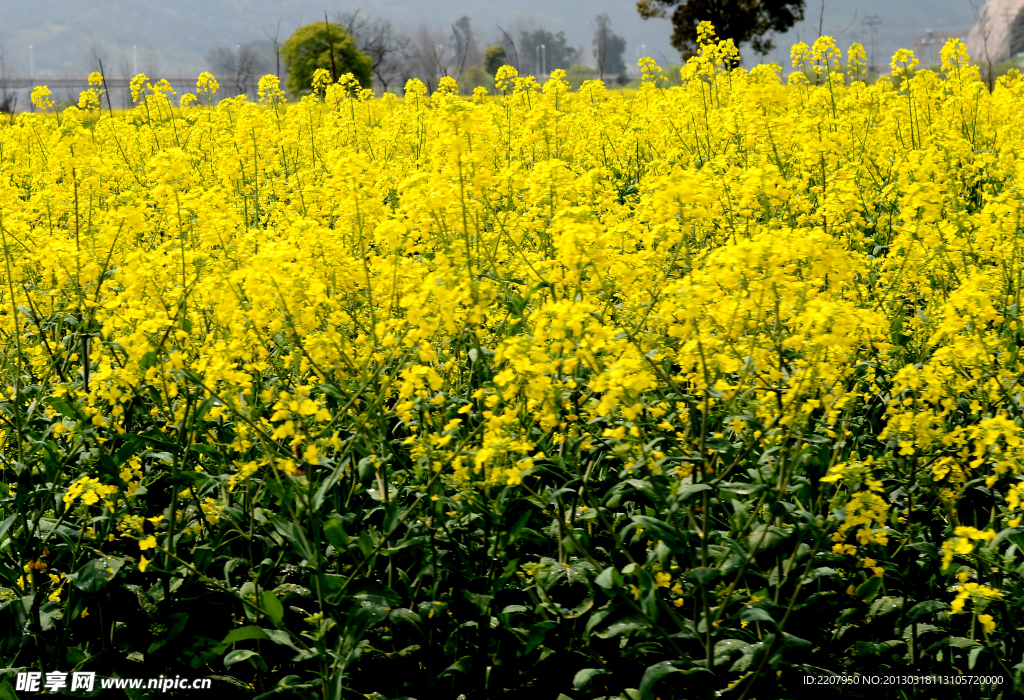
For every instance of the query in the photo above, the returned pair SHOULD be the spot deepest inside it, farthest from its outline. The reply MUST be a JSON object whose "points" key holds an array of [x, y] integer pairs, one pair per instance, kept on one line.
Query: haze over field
{"points": [[173, 38]]}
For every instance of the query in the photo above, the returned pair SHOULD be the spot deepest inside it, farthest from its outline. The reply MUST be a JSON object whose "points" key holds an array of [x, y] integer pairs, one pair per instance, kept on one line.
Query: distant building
{"points": [[999, 31]]}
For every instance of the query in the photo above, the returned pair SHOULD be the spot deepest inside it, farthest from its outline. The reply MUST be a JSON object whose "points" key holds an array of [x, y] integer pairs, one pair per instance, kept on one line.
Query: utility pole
{"points": [[873, 22]]}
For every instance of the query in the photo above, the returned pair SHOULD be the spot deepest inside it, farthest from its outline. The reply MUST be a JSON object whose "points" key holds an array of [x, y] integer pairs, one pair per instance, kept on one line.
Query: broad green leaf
{"points": [[272, 606], [233, 657], [610, 579], [96, 573], [583, 677], [926, 607], [652, 675], [869, 589]]}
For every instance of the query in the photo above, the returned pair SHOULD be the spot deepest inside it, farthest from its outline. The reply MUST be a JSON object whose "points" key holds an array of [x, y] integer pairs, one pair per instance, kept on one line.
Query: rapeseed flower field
{"points": [[715, 389]]}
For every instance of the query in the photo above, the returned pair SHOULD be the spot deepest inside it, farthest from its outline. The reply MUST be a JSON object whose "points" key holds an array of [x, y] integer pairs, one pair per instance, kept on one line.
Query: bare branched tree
{"points": [[152, 64], [608, 47], [508, 43], [124, 67], [430, 58], [95, 52], [467, 49], [378, 39], [242, 66], [981, 17], [277, 49]]}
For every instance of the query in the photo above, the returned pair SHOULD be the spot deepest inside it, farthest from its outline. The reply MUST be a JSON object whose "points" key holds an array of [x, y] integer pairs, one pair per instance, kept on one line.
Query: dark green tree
{"points": [[494, 58], [743, 21], [310, 47]]}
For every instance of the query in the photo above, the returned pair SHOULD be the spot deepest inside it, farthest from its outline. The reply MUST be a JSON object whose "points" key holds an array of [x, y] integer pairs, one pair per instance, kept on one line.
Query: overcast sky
{"points": [[173, 36]]}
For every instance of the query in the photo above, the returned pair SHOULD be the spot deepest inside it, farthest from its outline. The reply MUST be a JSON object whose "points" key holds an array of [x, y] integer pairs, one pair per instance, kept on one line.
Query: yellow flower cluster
{"points": [[961, 542], [89, 491], [979, 595], [866, 511], [734, 263]]}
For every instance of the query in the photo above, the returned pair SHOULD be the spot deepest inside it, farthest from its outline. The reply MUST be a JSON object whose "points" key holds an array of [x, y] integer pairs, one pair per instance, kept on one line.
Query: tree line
{"points": [[381, 55]]}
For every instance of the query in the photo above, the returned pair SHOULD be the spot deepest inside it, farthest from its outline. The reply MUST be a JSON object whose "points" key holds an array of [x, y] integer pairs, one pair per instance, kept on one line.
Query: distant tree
{"points": [[8, 99], [309, 48], [1017, 35], [743, 21], [467, 50], [240, 68], [557, 53], [608, 47], [494, 58], [430, 57], [378, 39], [579, 74]]}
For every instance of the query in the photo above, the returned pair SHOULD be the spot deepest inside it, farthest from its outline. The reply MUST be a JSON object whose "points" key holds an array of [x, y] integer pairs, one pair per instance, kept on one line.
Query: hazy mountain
{"points": [[173, 37]]}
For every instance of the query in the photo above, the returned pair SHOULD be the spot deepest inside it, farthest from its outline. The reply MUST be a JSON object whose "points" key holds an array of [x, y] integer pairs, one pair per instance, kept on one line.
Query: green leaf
{"points": [[482, 602], [4, 527], [232, 681], [963, 643], [922, 628], [764, 539], [751, 614], [64, 408], [295, 535], [866, 649], [884, 606], [96, 574], [659, 528], [686, 492], [377, 594], [652, 675], [583, 677], [742, 488], [926, 608], [869, 589], [820, 572], [272, 606], [972, 656], [332, 587], [202, 557], [725, 648], [704, 576], [404, 615], [175, 624], [335, 533], [281, 637], [237, 655], [610, 579], [630, 624], [7, 691], [327, 485], [584, 605], [243, 633]]}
